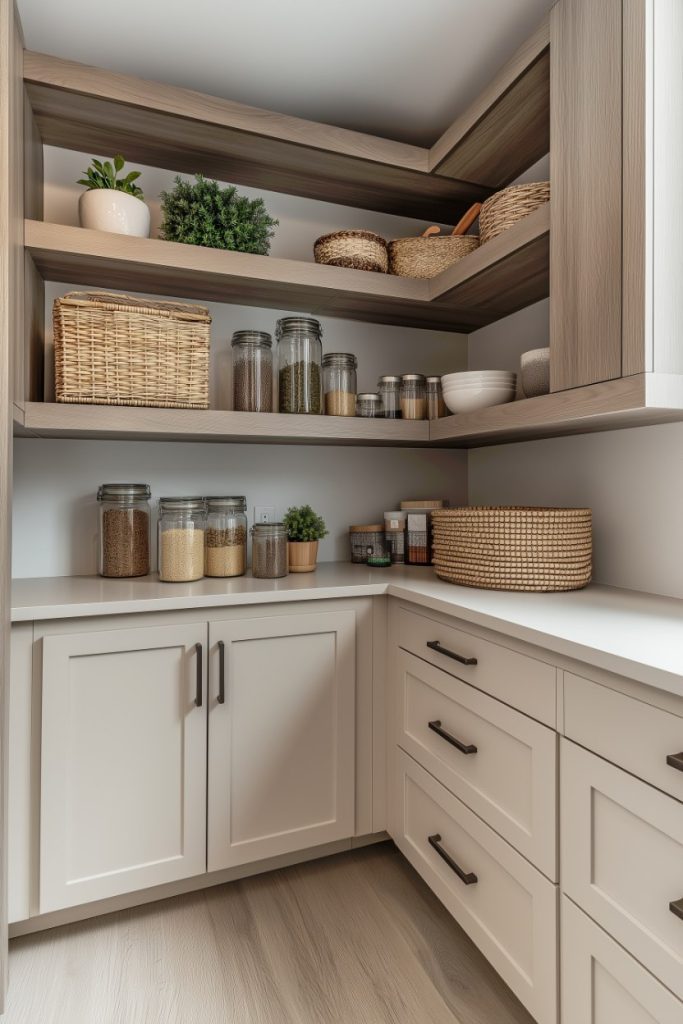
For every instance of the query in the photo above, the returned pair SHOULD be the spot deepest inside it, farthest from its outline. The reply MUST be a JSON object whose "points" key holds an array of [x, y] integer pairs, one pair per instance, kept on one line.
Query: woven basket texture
{"points": [[358, 250], [505, 208], [113, 349], [498, 548], [427, 257]]}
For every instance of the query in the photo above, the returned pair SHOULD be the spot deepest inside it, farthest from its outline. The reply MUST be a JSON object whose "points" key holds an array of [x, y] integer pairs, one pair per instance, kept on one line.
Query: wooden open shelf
{"points": [[502, 276]]}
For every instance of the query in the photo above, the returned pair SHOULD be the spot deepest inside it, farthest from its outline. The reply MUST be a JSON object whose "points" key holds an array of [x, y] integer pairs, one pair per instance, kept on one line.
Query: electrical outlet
{"points": [[264, 513]]}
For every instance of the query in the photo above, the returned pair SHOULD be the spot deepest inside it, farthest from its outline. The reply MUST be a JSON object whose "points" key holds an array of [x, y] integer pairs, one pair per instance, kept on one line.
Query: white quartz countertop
{"points": [[637, 635]]}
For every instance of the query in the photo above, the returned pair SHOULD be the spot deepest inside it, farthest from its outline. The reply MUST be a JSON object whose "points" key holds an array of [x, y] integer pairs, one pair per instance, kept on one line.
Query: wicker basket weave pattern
{"points": [[532, 549], [428, 256], [505, 208], [357, 250], [113, 349]]}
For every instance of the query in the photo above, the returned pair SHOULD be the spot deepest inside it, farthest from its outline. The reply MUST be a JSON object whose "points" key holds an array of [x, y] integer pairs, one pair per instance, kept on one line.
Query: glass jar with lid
{"points": [[124, 533], [436, 407], [339, 383], [413, 397], [389, 389], [252, 371], [225, 540], [182, 525], [369, 404], [269, 554], [299, 361]]}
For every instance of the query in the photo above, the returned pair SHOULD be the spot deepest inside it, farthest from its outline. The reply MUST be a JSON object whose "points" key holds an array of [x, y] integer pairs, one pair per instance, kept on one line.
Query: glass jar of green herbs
{"points": [[299, 360]]}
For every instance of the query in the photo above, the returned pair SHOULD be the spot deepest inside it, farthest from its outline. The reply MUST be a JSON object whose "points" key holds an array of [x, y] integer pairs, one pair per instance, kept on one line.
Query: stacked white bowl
{"points": [[478, 389]]}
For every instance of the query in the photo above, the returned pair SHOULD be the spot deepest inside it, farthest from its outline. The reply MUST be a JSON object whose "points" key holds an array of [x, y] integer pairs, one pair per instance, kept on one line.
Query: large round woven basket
{"points": [[514, 548], [359, 250], [505, 208], [428, 256]]}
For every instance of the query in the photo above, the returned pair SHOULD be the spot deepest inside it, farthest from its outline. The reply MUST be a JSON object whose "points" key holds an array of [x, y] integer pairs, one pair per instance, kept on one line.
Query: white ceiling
{"points": [[398, 68]]}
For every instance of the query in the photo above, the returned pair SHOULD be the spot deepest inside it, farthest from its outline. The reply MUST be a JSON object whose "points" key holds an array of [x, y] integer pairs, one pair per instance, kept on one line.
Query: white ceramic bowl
{"points": [[511, 386], [469, 399], [475, 375]]}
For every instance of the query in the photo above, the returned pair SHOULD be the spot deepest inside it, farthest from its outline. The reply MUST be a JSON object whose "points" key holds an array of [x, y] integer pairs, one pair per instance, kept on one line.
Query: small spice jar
{"points": [[339, 383], [225, 540], [413, 398], [367, 540], [389, 389], [252, 371], [182, 525], [269, 558], [419, 530], [395, 532], [369, 404], [436, 407], [299, 360], [124, 530]]}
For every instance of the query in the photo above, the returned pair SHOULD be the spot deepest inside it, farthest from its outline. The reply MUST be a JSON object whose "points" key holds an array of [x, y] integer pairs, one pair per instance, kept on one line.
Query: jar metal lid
{"points": [[235, 504], [388, 380], [252, 338], [434, 380], [298, 323], [413, 378], [123, 492], [340, 358], [269, 530], [369, 396], [182, 505]]}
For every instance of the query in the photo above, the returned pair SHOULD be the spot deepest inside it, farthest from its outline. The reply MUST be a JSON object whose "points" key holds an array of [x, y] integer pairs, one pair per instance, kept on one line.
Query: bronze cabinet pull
{"points": [[467, 877], [464, 748], [434, 645]]}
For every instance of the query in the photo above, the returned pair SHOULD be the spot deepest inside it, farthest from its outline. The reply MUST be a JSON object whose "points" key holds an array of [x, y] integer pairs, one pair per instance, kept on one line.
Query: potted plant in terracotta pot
{"points": [[304, 529], [112, 203]]}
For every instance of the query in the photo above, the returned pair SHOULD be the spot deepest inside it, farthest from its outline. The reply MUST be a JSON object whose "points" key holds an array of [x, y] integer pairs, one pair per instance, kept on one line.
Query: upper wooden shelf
{"points": [[507, 273], [85, 108]]}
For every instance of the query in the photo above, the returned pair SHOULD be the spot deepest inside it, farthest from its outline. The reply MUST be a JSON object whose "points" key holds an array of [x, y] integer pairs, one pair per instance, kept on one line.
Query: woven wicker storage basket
{"points": [[428, 256], [113, 349], [359, 250], [505, 208], [534, 549]]}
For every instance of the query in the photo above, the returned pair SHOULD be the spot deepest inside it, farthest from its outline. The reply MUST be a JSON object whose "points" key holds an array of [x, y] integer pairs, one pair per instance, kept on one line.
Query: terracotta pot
{"points": [[302, 555]]}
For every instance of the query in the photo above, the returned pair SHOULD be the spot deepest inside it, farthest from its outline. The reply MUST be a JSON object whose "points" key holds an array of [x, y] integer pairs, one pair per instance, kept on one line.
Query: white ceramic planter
{"points": [[108, 209]]}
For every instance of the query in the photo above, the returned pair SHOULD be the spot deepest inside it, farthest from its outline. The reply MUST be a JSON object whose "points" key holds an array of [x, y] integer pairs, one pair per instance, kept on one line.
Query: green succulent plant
{"points": [[203, 213], [303, 523], [105, 175]]}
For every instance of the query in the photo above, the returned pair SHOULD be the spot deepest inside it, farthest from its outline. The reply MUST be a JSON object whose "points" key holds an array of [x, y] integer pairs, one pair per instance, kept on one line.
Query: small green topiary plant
{"points": [[304, 524], [205, 214], [105, 175]]}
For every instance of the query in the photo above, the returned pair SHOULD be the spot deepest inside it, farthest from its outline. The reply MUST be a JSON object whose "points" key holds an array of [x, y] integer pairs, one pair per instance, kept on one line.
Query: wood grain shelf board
{"points": [[86, 108]]}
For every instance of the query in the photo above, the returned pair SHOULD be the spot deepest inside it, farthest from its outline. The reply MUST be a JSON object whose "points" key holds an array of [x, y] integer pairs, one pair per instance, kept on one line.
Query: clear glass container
{"points": [[413, 396], [369, 404], [124, 530], [390, 392], [269, 558], [436, 407], [181, 529], [395, 533], [299, 361], [252, 371], [225, 540], [339, 383]]}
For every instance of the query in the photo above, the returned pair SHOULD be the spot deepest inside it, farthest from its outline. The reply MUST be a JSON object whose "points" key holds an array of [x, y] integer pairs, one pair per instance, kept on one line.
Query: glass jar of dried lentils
{"points": [[124, 539]]}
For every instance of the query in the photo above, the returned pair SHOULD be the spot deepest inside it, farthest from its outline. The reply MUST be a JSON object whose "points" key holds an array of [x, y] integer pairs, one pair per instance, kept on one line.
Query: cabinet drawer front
{"points": [[601, 984], [509, 911], [632, 734], [499, 762], [516, 679], [622, 859]]}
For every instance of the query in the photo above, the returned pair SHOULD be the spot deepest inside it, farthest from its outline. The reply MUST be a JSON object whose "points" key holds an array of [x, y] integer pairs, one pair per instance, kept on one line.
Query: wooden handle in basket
{"points": [[434, 230], [467, 219]]}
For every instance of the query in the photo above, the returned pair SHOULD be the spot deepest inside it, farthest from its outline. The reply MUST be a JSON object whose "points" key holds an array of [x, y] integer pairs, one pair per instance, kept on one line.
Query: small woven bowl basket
{"points": [[357, 250], [427, 256], [514, 548], [505, 208]]}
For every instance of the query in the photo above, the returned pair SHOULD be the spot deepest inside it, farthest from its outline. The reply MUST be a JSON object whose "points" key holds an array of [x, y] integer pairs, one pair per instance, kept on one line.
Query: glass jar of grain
{"points": [[299, 361], [269, 551], [225, 540], [182, 525], [339, 383], [389, 389], [124, 530], [436, 407], [369, 404], [413, 398], [252, 371]]}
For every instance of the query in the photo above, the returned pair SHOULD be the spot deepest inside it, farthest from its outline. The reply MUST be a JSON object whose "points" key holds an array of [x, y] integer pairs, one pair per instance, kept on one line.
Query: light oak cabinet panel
{"points": [[602, 984], [281, 735], [123, 762]]}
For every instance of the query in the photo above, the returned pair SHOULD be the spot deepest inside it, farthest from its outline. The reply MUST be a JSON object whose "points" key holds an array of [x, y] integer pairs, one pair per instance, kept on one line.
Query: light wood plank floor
{"points": [[351, 939]]}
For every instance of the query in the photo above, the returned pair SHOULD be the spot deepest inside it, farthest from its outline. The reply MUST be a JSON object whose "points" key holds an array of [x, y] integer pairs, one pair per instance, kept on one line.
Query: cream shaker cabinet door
{"points": [[123, 762], [281, 735]]}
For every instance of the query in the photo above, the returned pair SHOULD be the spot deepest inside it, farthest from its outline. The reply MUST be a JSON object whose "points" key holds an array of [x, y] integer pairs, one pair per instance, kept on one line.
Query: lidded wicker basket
{"points": [[505, 208], [427, 256], [514, 548], [113, 349], [358, 250]]}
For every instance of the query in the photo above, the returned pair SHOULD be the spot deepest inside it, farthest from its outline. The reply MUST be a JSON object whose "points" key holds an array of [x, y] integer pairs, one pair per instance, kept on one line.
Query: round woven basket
{"points": [[428, 256], [514, 548], [359, 250], [505, 208]]}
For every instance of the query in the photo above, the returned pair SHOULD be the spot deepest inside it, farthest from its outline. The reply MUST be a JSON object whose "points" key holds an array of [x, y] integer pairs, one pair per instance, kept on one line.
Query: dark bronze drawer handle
{"points": [[200, 674], [464, 748], [677, 908], [468, 877], [675, 761], [221, 672], [434, 645]]}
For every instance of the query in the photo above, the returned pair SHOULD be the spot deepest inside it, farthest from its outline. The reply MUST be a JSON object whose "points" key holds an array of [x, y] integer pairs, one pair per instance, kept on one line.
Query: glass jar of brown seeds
{"points": [[124, 534], [252, 371]]}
